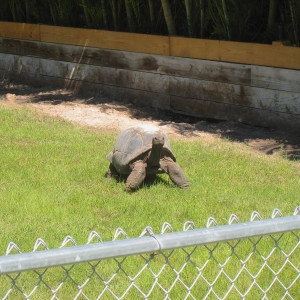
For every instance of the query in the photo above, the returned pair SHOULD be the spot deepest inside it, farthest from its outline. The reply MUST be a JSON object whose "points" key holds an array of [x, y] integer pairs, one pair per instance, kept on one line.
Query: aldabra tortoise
{"points": [[141, 150]]}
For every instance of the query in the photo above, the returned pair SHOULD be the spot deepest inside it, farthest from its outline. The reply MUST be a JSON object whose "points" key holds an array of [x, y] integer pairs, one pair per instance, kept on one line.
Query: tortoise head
{"points": [[157, 144], [158, 141]]}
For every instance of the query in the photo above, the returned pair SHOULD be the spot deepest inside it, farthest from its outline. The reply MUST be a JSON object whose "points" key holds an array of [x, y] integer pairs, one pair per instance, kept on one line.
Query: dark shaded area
{"points": [[266, 140], [150, 180]]}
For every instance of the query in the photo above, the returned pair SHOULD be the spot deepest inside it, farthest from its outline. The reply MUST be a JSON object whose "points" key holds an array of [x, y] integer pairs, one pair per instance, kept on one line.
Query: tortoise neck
{"points": [[155, 155]]}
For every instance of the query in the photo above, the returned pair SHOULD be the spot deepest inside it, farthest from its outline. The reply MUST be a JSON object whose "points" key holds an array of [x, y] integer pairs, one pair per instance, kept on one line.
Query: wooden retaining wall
{"points": [[210, 79]]}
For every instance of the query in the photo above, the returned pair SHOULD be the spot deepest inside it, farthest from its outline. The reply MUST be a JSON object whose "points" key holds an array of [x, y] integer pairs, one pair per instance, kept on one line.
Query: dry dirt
{"points": [[100, 112]]}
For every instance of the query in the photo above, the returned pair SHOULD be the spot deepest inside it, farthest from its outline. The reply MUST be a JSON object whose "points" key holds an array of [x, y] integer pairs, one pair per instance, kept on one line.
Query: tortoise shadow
{"points": [[153, 179], [150, 180]]}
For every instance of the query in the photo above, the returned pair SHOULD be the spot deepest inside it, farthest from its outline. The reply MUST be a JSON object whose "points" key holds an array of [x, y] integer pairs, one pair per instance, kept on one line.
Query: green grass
{"points": [[52, 184]]}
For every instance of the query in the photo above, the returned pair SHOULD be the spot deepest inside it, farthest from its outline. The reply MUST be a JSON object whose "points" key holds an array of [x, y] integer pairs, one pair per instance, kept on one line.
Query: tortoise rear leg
{"points": [[112, 171], [175, 172], [137, 176]]}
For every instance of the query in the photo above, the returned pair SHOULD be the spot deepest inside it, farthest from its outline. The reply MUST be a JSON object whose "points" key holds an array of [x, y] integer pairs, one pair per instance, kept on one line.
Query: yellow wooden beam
{"points": [[260, 54], [20, 31], [106, 39], [235, 52]]}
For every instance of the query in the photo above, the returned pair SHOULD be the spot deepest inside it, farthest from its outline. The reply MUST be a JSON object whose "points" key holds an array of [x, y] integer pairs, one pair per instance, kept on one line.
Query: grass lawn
{"points": [[52, 184]]}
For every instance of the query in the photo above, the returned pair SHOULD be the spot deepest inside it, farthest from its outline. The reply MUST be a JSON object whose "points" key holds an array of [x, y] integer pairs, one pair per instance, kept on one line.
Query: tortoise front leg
{"points": [[175, 173], [137, 176]]}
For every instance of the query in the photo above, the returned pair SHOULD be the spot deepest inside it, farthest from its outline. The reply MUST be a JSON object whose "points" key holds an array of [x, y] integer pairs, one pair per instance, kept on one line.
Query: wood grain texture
{"points": [[276, 78], [225, 111], [236, 52], [226, 51], [262, 98], [20, 64], [193, 96], [6, 61], [143, 81], [260, 54], [20, 31], [195, 48], [258, 76], [106, 39], [109, 76], [185, 67], [124, 95]]}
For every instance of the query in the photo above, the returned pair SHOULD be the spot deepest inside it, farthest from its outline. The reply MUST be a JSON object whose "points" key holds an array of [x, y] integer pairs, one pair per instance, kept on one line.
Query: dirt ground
{"points": [[100, 112]]}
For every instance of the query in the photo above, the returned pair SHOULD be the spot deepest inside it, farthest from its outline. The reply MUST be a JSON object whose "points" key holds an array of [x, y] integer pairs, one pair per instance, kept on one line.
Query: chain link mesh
{"points": [[265, 267]]}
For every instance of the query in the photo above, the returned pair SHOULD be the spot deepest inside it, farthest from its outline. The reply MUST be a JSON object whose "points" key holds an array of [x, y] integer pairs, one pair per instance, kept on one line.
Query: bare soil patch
{"points": [[102, 113]]}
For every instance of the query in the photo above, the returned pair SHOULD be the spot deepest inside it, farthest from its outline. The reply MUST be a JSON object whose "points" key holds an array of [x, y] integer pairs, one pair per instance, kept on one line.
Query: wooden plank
{"points": [[150, 44], [125, 95], [6, 61], [259, 54], [203, 69], [225, 111], [20, 47], [78, 54], [138, 97], [261, 98], [186, 67], [244, 53], [109, 76], [195, 48], [247, 96], [276, 78], [199, 108], [215, 100], [106, 39], [236, 52], [66, 35], [20, 31], [267, 77], [281, 43], [19, 64], [20, 68]]}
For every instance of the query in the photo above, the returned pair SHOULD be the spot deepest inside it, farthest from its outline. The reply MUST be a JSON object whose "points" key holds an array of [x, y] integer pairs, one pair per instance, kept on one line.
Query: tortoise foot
{"points": [[176, 174], [136, 177]]}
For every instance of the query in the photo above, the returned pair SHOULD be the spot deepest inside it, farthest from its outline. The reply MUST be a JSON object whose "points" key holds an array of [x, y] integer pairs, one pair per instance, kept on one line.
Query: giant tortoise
{"points": [[142, 150]]}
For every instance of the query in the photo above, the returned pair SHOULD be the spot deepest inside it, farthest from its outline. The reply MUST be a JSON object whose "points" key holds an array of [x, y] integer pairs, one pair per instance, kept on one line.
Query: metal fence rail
{"points": [[259, 259]]}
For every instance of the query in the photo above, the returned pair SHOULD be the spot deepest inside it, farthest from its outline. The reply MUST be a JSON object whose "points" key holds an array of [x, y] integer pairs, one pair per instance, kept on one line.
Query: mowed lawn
{"points": [[52, 184]]}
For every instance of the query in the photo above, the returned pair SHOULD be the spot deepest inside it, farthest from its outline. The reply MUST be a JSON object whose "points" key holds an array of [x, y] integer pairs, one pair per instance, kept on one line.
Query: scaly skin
{"points": [[137, 176], [155, 153], [175, 172]]}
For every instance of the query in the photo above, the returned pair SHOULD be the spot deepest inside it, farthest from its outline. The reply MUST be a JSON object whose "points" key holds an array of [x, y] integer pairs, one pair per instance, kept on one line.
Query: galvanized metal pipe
{"points": [[148, 244]]}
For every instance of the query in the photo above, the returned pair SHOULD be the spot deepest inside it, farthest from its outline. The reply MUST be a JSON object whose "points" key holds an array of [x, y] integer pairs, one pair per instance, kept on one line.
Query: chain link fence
{"points": [[259, 259]]}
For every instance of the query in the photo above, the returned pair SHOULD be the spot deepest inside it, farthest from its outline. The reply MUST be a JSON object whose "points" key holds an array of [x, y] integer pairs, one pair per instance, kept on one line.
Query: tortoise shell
{"points": [[133, 143]]}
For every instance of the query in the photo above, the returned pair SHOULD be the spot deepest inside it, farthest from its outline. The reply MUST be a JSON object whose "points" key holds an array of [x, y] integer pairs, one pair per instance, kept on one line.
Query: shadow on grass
{"points": [[150, 180], [265, 140]]}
